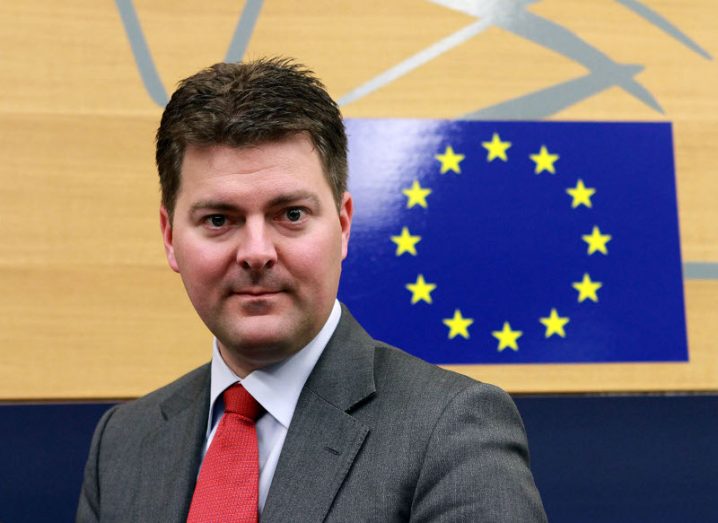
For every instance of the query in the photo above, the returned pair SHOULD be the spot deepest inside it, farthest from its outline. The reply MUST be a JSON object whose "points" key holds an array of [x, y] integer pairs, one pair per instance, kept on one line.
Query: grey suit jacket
{"points": [[377, 435]]}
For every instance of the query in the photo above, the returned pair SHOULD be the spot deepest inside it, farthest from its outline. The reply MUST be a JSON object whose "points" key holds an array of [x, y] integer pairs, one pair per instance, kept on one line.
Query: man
{"points": [[256, 219]]}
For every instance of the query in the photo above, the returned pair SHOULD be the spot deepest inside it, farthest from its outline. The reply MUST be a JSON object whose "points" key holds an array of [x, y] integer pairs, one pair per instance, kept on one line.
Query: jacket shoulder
{"points": [[181, 391], [394, 364], [422, 391]]}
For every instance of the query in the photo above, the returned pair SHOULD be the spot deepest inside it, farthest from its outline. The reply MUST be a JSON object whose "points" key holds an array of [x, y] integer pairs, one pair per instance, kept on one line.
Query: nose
{"points": [[256, 251]]}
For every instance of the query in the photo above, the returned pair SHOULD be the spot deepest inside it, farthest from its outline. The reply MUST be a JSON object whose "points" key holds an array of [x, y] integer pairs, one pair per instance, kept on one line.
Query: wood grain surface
{"points": [[88, 307]]}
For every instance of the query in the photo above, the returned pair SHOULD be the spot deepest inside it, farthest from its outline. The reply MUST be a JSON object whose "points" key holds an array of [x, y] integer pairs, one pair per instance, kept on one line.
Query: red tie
{"points": [[227, 488]]}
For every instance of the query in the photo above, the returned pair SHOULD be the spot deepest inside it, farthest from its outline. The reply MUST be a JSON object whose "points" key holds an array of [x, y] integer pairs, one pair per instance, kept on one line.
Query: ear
{"points": [[346, 211], [166, 227]]}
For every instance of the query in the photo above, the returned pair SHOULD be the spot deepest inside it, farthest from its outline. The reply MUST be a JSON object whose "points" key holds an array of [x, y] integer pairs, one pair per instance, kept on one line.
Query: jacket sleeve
{"points": [[476, 464], [88, 509]]}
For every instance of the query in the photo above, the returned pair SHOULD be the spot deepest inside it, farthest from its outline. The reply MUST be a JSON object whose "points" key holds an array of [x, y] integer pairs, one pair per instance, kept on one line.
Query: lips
{"points": [[257, 293], [260, 288]]}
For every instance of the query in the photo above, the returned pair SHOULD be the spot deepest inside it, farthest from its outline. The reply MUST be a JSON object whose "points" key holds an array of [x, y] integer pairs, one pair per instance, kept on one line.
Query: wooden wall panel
{"points": [[88, 308]]}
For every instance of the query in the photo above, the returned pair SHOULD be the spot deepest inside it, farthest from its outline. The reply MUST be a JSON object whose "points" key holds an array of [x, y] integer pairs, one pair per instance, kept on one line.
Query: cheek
{"points": [[305, 264], [316, 262], [202, 263]]}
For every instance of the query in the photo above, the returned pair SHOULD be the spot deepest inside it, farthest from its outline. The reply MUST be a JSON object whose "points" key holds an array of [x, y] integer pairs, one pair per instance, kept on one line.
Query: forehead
{"points": [[294, 149], [290, 161]]}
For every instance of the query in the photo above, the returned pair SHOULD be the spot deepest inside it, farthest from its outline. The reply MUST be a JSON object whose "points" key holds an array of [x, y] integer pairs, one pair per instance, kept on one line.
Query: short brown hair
{"points": [[240, 104]]}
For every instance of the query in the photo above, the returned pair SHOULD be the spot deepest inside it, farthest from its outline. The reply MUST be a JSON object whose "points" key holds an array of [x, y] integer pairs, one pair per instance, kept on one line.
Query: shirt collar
{"points": [[276, 387]]}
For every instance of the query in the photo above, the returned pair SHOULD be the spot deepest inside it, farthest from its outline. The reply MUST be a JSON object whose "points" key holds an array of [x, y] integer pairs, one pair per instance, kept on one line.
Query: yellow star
{"points": [[416, 195], [496, 148], [587, 288], [544, 161], [420, 291], [507, 337], [405, 242], [597, 241], [458, 325], [450, 160], [581, 194], [554, 324]]}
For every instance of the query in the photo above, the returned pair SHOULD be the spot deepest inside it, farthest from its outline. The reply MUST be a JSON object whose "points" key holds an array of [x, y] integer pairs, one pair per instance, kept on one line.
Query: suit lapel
{"points": [[324, 438], [171, 454]]}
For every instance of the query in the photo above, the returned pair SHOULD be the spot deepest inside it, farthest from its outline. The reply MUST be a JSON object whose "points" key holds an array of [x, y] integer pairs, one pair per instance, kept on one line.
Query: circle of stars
{"points": [[581, 196]]}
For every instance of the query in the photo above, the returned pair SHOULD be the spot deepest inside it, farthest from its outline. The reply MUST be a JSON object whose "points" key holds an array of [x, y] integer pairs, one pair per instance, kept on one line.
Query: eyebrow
{"points": [[298, 196], [282, 199], [204, 205]]}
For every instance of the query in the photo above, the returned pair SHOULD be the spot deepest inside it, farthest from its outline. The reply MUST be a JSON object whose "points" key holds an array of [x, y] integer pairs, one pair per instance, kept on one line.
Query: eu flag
{"points": [[516, 242]]}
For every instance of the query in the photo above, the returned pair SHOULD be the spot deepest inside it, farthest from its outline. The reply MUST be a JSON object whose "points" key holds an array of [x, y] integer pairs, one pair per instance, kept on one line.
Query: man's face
{"points": [[259, 243]]}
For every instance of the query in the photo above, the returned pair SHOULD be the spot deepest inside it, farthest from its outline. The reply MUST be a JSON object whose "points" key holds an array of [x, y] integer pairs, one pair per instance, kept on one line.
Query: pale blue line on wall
{"points": [[664, 25], [700, 271], [143, 58], [244, 30]]}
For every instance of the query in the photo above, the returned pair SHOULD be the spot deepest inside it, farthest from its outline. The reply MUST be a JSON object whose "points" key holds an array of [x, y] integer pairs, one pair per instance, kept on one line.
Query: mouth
{"points": [[257, 293], [256, 301]]}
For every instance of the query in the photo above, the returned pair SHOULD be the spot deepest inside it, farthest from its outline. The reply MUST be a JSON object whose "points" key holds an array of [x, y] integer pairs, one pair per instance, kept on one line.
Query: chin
{"points": [[258, 337], [265, 338], [245, 352], [262, 343]]}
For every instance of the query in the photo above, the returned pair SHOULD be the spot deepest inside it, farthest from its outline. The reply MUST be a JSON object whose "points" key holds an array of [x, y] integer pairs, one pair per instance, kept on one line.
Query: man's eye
{"points": [[217, 220], [294, 214]]}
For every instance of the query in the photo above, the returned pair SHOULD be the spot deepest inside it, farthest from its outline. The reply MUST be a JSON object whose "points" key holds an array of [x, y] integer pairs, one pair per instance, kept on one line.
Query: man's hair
{"points": [[241, 104]]}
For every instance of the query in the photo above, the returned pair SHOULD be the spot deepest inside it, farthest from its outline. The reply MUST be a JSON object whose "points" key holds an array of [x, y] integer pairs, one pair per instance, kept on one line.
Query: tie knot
{"points": [[238, 401]]}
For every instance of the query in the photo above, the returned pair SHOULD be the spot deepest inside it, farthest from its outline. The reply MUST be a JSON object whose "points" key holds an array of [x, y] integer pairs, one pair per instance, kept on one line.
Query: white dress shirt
{"points": [[277, 389]]}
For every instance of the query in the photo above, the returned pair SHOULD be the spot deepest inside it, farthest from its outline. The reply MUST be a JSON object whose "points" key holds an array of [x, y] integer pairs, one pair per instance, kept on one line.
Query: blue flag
{"points": [[516, 242]]}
